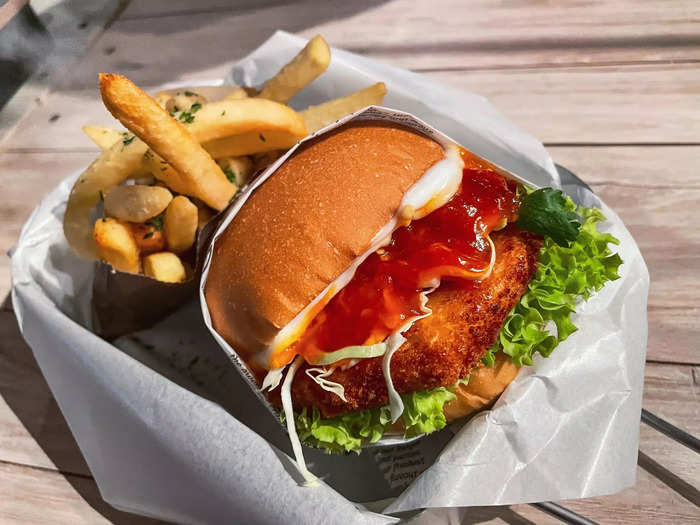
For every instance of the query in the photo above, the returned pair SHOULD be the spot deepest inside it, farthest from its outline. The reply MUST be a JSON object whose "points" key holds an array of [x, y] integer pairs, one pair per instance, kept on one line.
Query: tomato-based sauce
{"points": [[451, 243]]}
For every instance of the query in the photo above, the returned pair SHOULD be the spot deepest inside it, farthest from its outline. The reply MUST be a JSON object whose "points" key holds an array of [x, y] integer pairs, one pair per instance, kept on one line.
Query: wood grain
{"points": [[649, 501], [47, 498], [558, 106], [73, 26], [641, 183], [408, 34], [646, 167], [595, 105], [25, 179], [32, 429]]}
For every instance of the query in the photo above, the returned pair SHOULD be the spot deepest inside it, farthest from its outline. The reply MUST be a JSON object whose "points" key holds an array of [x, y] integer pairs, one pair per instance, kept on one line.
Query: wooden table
{"points": [[611, 88]]}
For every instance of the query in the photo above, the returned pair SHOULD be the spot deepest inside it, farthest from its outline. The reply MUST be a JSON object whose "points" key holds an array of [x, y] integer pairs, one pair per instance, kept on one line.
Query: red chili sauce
{"points": [[450, 243]]}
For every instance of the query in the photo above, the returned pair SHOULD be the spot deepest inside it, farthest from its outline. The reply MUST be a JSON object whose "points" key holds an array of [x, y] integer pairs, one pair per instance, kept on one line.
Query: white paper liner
{"points": [[565, 428]]}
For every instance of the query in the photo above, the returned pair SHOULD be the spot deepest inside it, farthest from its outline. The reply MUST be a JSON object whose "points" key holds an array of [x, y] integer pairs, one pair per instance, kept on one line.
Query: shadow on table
{"points": [[25, 391], [209, 36]]}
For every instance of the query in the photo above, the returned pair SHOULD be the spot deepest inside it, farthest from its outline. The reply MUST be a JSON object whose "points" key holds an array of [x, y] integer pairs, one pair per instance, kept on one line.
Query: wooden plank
{"points": [[672, 392], [56, 123], [596, 105], [674, 334], [652, 173], [73, 27], [34, 496], [559, 106], [649, 501], [649, 167], [26, 178], [414, 35], [669, 242], [32, 429]]}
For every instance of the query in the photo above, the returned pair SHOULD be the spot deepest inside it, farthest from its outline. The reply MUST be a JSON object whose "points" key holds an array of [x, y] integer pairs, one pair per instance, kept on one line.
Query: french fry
{"points": [[104, 137], [249, 115], [180, 224], [209, 93], [238, 169], [236, 94], [110, 168], [168, 176], [116, 245], [142, 115], [184, 100], [317, 117], [250, 143], [164, 266], [148, 238], [301, 71], [136, 203]]}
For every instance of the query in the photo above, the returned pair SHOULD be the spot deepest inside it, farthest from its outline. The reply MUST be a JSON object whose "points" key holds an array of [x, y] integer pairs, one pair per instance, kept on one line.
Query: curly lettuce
{"points": [[567, 272], [565, 275], [423, 414]]}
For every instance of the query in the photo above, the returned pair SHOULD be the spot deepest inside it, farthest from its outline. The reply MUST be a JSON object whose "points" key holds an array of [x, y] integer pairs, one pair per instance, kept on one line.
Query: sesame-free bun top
{"points": [[307, 223]]}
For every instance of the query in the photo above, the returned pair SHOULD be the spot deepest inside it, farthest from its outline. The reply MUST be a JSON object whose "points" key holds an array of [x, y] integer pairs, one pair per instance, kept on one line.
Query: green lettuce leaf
{"points": [[565, 275], [422, 414]]}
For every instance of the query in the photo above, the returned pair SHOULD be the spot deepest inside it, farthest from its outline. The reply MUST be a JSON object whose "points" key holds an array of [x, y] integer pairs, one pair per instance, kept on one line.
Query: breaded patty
{"points": [[443, 347]]}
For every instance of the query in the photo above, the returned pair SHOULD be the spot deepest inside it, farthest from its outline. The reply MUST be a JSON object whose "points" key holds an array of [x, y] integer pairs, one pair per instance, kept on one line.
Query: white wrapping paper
{"points": [[169, 429]]}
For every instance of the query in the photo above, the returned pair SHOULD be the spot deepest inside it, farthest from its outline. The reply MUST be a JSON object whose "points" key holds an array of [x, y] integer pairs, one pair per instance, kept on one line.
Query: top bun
{"points": [[307, 223]]}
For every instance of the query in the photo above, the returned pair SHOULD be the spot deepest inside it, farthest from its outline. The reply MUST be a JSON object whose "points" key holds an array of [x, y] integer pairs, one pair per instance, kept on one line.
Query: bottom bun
{"points": [[485, 385]]}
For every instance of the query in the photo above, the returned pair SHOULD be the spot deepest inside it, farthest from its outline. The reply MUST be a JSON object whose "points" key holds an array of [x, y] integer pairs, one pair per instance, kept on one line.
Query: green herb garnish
{"points": [[148, 235], [189, 94], [156, 222], [261, 137], [195, 107], [186, 117], [128, 139], [549, 213], [230, 175]]}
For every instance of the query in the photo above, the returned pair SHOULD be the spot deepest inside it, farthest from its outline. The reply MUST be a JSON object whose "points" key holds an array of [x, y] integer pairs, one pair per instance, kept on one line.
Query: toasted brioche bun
{"points": [[307, 223], [485, 386]]}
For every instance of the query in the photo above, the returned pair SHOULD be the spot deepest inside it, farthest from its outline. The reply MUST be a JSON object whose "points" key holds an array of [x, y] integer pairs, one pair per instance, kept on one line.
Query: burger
{"points": [[382, 282]]}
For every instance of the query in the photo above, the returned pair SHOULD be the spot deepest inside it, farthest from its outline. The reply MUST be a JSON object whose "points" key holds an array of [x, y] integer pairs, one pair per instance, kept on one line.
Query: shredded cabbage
{"points": [[396, 406], [309, 479], [321, 379], [564, 276], [350, 352]]}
